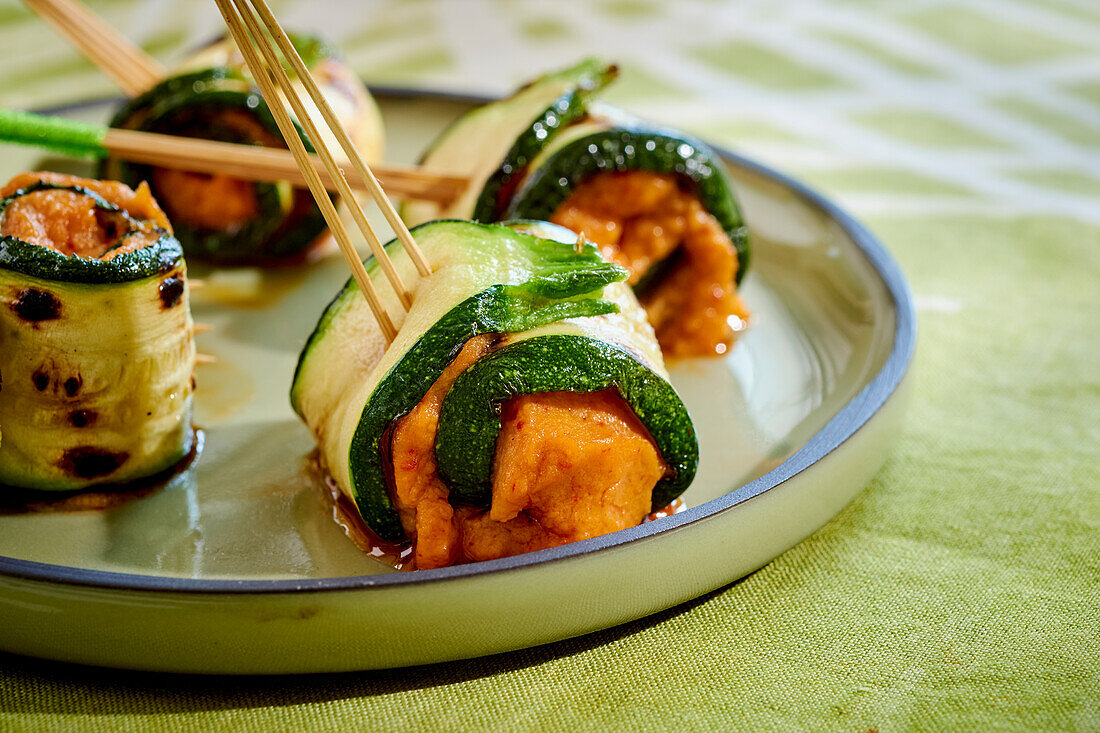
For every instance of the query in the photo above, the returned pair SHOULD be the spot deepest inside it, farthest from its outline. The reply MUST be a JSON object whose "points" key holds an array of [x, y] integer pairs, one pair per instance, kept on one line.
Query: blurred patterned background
{"points": [[961, 587], [926, 106]]}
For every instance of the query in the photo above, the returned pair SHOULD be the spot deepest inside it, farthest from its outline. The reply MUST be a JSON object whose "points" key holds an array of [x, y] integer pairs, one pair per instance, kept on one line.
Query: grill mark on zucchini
{"points": [[35, 305], [170, 291], [73, 386], [45, 375], [88, 462], [82, 418]]}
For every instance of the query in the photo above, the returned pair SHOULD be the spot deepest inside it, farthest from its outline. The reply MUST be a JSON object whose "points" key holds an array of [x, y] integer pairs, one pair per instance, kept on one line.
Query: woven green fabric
{"points": [[960, 590]]}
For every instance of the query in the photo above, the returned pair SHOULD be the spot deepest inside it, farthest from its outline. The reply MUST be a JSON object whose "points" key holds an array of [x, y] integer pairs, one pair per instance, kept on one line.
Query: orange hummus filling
{"points": [[567, 466], [72, 224], [639, 219], [208, 201], [214, 201]]}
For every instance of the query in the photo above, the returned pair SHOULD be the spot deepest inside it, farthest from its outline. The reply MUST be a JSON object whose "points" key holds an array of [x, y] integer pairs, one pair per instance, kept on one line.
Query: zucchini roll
{"points": [[225, 220], [96, 338], [656, 201], [523, 405]]}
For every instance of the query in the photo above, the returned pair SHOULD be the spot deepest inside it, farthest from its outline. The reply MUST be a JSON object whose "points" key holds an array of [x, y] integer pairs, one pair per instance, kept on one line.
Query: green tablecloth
{"points": [[960, 589]]}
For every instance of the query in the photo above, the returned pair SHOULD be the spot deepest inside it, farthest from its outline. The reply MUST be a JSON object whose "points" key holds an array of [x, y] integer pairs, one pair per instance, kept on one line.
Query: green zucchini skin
{"points": [[499, 309], [287, 224], [493, 144], [97, 358], [553, 153], [169, 93], [41, 262], [487, 279], [547, 281], [589, 76], [621, 149], [469, 419], [561, 273]]}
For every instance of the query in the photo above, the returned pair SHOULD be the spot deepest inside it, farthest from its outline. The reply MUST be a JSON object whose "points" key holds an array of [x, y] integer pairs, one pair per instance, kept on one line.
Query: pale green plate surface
{"points": [[821, 370]]}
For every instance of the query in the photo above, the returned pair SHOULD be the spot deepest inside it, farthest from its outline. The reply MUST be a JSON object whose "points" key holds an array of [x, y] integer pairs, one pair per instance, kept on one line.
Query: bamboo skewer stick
{"points": [[133, 70], [286, 126], [275, 67], [248, 162], [375, 190], [256, 163]]}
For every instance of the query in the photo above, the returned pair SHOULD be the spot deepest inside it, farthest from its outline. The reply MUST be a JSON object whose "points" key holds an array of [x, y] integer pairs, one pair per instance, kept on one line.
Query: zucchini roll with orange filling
{"points": [[656, 201], [523, 404], [222, 219], [96, 338]]}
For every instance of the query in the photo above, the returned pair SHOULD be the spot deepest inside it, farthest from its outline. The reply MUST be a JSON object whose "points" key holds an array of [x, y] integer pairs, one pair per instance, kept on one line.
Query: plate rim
{"points": [[856, 413]]}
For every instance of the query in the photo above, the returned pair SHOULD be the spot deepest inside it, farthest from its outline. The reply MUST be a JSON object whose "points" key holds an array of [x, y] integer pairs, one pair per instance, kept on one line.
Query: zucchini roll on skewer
{"points": [[522, 405], [96, 338], [656, 201], [219, 218]]}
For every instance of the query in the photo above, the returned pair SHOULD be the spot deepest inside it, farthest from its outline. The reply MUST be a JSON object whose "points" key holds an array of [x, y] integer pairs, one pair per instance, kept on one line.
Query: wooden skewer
{"points": [[282, 118], [203, 328], [205, 359], [256, 163], [133, 70], [360, 165], [249, 162], [275, 66]]}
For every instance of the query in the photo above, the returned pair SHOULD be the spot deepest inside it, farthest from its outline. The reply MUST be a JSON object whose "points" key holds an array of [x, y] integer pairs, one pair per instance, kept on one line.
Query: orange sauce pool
{"points": [[401, 555]]}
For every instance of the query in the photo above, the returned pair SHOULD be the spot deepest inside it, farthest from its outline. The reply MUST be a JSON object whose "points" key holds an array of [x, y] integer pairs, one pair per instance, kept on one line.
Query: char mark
{"points": [[90, 462], [82, 418], [171, 290], [35, 305]]}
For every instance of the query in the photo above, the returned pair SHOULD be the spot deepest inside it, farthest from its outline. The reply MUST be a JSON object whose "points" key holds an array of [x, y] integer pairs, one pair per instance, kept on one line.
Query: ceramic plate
{"points": [[236, 565]]}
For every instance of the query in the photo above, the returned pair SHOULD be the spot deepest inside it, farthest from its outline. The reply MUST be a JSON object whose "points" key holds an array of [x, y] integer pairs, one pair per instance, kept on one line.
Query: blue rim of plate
{"points": [[853, 416]]}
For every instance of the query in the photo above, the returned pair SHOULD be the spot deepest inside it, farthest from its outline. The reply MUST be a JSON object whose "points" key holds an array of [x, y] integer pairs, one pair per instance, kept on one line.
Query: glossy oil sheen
{"points": [[817, 374]]}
